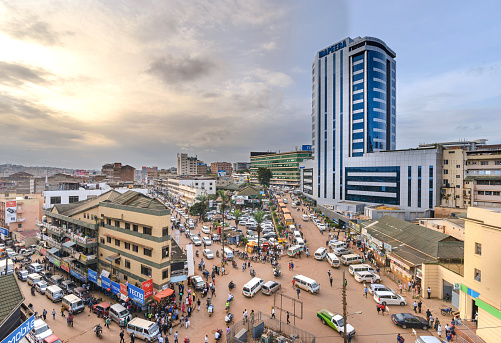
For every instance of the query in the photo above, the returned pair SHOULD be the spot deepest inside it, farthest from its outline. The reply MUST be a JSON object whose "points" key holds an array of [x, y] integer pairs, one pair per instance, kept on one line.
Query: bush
{"points": [[280, 228]]}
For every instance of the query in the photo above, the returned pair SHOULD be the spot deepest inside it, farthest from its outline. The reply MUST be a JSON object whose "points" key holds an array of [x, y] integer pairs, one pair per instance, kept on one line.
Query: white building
{"points": [[186, 190]]}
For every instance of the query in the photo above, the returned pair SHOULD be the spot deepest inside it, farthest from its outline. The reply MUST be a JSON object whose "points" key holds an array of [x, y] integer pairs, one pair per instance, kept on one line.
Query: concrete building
{"points": [[284, 166], [217, 168], [186, 165], [237, 166], [126, 235], [20, 213], [117, 172], [185, 189], [480, 289], [202, 168], [453, 171], [450, 226]]}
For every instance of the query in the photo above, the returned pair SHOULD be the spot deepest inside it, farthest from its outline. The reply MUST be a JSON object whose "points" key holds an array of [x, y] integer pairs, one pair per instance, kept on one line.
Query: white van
{"points": [[33, 279], [143, 329], [337, 244], [297, 234], [118, 313], [355, 268], [73, 303], [351, 259], [294, 250], [54, 293], [305, 217], [320, 254], [300, 243], [333, 260], [37, 267], [228, 253], [252, 287], [306, 283]]}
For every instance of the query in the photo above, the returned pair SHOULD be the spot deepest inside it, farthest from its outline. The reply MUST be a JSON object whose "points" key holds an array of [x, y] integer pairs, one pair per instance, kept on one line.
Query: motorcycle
{"points": [[218, 334], [210, 309], [33, 291], [229, 318], [231, 285], [234, 263], [446, 311], [277, 273], [99, 331], [217, 253], [196, 253], [253, 273], [230, 297], [227, 308]]}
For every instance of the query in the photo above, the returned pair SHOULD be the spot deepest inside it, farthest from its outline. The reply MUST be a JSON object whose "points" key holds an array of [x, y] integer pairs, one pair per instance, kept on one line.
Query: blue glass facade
{"points": [[334, 127], [393, 177], [409, 186], [376, 101], [358, 105]]}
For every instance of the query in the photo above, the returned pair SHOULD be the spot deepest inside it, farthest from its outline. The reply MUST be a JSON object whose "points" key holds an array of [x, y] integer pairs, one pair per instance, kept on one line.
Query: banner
{"points": [[4, 231], [79, 276], [115, 287], [43, 251], [57, 262], [65, 266], [123, 289], [105, 282], [11, 211], [148, 288], [92, 275], [21, 331], [135, 294]]}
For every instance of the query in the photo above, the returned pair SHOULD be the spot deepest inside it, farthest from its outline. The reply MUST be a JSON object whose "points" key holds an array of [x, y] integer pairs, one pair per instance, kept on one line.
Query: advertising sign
{"points": [[4, 231], [57, 262], [148, 288], [92, 275], [11, 211], [105, 282], [306, 147], [115, 287], [21, 331], [65, 266], [135, 294], [221, 173], [43, 251], [78, 275], [123, 289]]}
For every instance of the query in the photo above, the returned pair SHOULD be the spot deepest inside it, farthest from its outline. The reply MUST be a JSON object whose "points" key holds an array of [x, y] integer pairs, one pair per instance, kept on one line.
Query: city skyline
{"points": [[117, 81]]}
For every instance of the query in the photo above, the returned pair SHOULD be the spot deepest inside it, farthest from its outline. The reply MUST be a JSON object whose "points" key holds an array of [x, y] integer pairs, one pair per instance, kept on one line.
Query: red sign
{"points": [[123, 289], [42, 251], [148, 288], [64, 266], [10, 204]]}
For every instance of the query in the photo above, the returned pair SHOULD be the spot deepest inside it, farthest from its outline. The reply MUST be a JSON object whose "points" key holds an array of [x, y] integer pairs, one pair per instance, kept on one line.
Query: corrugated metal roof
{"points": [[9, 286]]}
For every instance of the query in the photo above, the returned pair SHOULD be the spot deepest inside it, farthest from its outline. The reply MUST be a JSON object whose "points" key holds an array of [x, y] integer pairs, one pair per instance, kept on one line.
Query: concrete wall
{"points": [[433, 276], [446, 212]]}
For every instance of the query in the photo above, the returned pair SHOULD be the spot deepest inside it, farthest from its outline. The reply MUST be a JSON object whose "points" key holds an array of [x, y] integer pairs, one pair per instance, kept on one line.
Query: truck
{"points": [[3, 263], [335, 321]]}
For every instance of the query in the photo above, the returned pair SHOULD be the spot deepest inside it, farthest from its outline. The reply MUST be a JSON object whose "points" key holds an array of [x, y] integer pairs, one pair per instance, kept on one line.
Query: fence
{"points": [[465, 334], [280, 328]]}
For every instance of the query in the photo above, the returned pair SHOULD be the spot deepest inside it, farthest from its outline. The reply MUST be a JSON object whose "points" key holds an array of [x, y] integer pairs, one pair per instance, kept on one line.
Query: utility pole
{"points": [[344, 309]]}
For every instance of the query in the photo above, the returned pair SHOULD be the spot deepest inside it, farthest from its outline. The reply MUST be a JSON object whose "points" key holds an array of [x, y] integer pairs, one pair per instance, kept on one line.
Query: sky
{"points": [[83, 83]]}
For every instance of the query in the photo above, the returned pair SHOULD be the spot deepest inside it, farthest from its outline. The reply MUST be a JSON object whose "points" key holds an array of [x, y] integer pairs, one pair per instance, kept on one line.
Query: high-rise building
{"points": [[283, 166], [218, 168], [187, 165]]}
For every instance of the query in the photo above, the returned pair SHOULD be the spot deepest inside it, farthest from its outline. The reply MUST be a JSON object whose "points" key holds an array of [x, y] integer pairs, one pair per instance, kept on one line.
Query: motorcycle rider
{"points": [[227, 305], [217, 335], [98, 329]]}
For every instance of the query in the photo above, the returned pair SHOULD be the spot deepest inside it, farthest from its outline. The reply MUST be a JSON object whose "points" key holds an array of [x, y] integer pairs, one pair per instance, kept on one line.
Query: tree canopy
{"points": [[264, 176]]}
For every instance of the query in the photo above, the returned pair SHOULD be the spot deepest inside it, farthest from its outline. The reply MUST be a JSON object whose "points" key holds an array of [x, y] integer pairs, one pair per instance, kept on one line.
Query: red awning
{"points": [[163, 294]]}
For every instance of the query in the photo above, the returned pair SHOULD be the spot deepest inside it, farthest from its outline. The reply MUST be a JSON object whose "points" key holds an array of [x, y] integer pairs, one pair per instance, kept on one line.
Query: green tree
{"points": [[204, 205], [237, 215], [259, 218], [195, 209], [224, 195], [264, 176]]}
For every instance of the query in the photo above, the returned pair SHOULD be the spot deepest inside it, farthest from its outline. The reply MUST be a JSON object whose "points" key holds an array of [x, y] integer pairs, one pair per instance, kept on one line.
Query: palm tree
{"points": [[259, 218], [203, 199], [224, 200], [237, 215]]}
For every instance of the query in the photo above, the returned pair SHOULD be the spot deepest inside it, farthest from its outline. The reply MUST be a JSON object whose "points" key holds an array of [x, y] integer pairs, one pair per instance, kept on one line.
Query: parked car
{"points": [[46, 275], [206, 241], [41, 287], [366, 276], [208, 254], [389, 298], [341, 251], [40, 330], [408, 320], [335, 321], [377, 287], [205, 229], [197, 282], [270, 287], [104, 307]]}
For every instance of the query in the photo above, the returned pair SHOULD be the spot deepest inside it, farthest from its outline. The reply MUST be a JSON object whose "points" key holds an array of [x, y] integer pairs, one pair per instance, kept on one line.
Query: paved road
{"points": [[369, 326]]}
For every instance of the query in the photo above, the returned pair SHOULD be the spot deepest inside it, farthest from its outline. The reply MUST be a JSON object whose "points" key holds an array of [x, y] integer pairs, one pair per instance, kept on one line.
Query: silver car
{"points": [[270, 287], [41, 287]]}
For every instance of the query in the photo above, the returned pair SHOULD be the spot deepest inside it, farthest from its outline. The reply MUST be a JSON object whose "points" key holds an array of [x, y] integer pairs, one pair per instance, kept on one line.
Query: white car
{"points": [[205, 229], [208, 254], [321, 227], [389, 298], [242, 222], [41, 330], [377, 287], [206, 241], [341, 251], [196, 241], [41, 287], [366, 276]]}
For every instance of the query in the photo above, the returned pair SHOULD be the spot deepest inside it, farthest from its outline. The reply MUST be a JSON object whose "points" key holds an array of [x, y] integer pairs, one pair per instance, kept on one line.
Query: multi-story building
{"points": [[185, 189], [186, 165], [202, 168], [127, 235], [217, 168], [20, 213], [284, 166], [117, 172], [453, 171], [240, 166], [145, 171], [480, 288]]}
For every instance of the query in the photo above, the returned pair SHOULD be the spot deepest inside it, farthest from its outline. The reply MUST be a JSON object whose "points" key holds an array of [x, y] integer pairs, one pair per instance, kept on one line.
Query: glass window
{"points": [[477, 275], [127, 245], [127, 264], [135, 248], [117, 242], [145, 270], [165, 251], [73, 198], [127, 226], [55, 200], [147, 252], [147, 230], [165, 273], [117, 223], [135, 228], [478, 248], [108, 239]]}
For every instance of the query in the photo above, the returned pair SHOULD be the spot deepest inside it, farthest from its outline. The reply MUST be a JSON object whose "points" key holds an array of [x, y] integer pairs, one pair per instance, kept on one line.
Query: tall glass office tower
{"points": [[353, 108]]}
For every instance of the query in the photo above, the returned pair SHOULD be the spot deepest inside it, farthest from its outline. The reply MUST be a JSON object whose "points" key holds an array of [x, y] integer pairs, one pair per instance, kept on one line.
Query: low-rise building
{"points": [[118, 172], [19, 213], [450, 226], [185, 189], [221, 168]]}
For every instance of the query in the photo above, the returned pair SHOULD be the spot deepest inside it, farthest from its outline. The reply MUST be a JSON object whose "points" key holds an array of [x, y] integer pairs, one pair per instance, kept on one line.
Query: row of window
{"points": [[484, 172], [485, 163], [135, 248], [495, 193]]}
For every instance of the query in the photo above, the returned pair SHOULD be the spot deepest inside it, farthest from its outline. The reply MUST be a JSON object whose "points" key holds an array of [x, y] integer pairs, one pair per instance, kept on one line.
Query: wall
{"points": [[433, 276], [446, 212], [444, 226]]}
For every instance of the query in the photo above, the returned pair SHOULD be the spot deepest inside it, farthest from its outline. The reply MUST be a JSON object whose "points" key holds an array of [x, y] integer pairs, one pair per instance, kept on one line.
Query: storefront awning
{"points": [[112, 258], [53, 251], [163, 294], [68, 244]]}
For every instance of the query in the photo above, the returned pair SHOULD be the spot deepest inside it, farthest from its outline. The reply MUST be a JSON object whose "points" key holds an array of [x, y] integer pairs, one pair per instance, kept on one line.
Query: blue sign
{"points": [[78, 275], [4, 231], [333, 48], [305, 147], [92, 275], [115, 287], [21, 331], [135, 294], [105, 282]]}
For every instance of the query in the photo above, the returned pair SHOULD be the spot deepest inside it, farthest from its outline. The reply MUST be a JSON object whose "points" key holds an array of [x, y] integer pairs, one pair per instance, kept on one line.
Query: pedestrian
{"points": [[329, 272], [90, 306], [107, 322], [122, 336], [54, 313], [132, 337], [439, 330], [365, 291], [298, 290], [415, 306], [288, 321], [292, 266], [330, 279], [400, 339], [245, 316], [400, 287], [44, 314], [198, 304], [206, 339], [62, 311], [409, 284], [378, 308], [383, 309], [293, 282], [187, 322], [160, 338], [431, 321], [448, 337], [272, 312], [252, 316], [175, 338], [429, 292], [419, 305]]}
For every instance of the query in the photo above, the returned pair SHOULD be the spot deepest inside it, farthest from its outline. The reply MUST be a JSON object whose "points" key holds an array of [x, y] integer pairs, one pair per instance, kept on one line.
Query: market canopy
{"points": [[163, 294], [68, 244], [53, 251], [112, 258]]}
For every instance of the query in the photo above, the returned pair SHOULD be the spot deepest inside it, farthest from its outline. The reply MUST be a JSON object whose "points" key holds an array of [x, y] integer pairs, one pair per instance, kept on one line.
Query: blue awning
{"points": [[68, 244], [53, 251]]}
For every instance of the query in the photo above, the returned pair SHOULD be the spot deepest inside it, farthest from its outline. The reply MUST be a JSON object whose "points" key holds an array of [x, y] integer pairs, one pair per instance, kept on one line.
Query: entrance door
{"points": [[446, 289], [474, 309]]}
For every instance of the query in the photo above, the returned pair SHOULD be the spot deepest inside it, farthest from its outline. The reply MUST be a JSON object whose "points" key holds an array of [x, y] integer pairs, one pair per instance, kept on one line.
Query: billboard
{"points": [[11, 211], [105, 282], [21, 331], [92, 275], [123, 289], [305, 147], [115, 287], [4, 231], [148, 288], [221, 173], [135, 294]]}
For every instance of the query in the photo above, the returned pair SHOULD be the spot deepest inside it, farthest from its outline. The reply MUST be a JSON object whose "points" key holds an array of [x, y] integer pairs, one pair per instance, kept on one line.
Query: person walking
{"points": [[198, 304], [400, 339], [415, 306], [132, 337], [431, 321], [298, 290], [365, 291], [122, 336], [429, 292], [107, 322], [419, 305], [160, 338], [54, 314], [400, 287], [439, 330], [329, 272], [288, 321], [378, 308], [293, 282], [44, 314], [272, 312], [383, 309], [330, 279], [206, 339], [62, 310], [175, 337], [292, 266]]}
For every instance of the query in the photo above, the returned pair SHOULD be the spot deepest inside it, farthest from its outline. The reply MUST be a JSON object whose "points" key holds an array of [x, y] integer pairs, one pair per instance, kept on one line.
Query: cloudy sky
{"points": [[84, 83]]}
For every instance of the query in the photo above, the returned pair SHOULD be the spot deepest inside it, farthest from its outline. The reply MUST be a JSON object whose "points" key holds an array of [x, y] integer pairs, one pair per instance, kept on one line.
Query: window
{"points": [[497, 163], [127, 264], [135, 228], [446, 161], [135, 248], [165, 273], [127, 226], [478, 275], [165, 251], [495, 193], [478, 248], [488, 192], [117, 223], [457, 176], [458, 166], [108, 239], [147, 230], [101, 223], [484, 163], [117, 242], [125, 277], [55, 200], [145, 270], [73, 198], [147, 252], [446, 171], [101, 240], [165, 231], [19, 226], [480, 192], [108, 221], [127, 245]]}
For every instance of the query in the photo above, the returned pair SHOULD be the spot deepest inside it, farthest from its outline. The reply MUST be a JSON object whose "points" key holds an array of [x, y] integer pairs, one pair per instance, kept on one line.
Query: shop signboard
{"points": [[115, 287], [65, 266], [43, 251], [105, 282], [123, 289], [10, 211], [21, 331], [148, 288], [78, 275], [57, 262], [135, 294], [92, 275]]}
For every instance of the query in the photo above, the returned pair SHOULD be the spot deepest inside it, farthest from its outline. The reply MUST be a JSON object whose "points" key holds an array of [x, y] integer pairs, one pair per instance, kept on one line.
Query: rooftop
{"points": [[8, 304]]}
